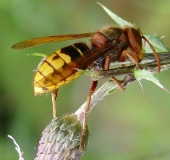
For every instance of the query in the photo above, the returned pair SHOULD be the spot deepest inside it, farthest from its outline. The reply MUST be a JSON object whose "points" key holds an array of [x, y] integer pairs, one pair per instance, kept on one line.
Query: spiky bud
{"points": [[61, 139]]}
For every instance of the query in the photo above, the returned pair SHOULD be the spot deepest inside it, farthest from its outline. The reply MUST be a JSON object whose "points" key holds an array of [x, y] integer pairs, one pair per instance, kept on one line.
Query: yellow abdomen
{"points": [[59, 68]]}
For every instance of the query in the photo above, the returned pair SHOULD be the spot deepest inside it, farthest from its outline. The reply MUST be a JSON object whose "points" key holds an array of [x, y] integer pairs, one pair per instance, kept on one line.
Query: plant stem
{"points": [[148, 63]]}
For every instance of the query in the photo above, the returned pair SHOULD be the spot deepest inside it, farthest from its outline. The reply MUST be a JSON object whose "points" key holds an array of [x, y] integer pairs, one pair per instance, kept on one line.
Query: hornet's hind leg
{"points": [[86, 110], [54, 96]]}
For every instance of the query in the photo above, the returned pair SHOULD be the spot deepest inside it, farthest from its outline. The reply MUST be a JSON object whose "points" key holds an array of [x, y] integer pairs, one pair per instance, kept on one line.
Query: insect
{"points": [[61, 67]]}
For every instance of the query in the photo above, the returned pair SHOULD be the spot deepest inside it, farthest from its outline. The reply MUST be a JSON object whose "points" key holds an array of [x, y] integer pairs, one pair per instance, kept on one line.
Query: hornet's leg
{"points": [[106, 67], [137, 48], [86, 110], [155, 54], [133, 57], [54, 96]]}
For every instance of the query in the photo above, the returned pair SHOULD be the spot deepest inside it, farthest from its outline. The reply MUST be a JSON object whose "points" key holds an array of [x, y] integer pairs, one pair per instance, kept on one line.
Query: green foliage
{"points": [[121, 22], [38, 54], [144, 74], [156, 42]]}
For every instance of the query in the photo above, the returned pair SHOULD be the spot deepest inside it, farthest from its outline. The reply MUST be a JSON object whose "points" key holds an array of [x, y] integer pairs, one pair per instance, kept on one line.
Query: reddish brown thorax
{"points": [[121, 40]]}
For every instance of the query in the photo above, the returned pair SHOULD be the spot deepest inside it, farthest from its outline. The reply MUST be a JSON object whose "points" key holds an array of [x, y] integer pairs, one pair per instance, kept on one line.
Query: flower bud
{"points": [[61, 139]]}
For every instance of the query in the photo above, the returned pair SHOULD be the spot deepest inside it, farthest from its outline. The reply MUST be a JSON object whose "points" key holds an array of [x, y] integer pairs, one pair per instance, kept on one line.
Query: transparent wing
{"points": [[48, 39]]}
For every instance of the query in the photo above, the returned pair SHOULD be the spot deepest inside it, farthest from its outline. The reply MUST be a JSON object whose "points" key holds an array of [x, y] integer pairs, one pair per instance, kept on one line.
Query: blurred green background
{"points": [[129, 125]]}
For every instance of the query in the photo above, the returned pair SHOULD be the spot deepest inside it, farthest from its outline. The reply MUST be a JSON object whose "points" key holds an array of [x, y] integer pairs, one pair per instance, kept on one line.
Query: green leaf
{"points": [[38, 54], [156, 42], [121, 22], [144, 74], [112, 91], [93, 74], [87, 72]]}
